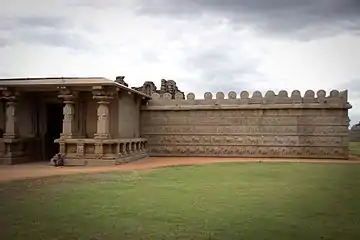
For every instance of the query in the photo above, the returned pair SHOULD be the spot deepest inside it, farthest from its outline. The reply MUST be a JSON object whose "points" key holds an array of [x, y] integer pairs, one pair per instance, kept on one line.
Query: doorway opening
{"points": [[54, 117]]}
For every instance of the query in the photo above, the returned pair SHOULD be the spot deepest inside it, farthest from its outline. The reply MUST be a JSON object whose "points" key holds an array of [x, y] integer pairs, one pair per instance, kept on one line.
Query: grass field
{"points": [[354, 148], [216, 201]]}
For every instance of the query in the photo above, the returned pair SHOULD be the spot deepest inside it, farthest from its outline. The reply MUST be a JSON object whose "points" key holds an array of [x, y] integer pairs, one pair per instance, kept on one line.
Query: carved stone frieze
{"points": [[80, 149], [250, 151]]}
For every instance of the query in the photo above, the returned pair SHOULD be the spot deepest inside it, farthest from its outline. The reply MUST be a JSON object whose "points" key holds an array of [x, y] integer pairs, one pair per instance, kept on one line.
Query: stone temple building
{"points": [[355, 133], [97, 121]]}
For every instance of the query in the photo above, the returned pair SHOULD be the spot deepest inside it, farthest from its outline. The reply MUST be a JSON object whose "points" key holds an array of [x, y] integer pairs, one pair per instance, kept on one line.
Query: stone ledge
{"points": [[103, 162], [184, 107], [281, 134], [88, 162], [13, 160], [257, 97], [131, 158], [247, 156]]}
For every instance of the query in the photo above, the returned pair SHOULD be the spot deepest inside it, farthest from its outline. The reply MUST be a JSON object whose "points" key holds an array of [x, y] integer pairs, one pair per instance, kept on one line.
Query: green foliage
{"points": [[217, 201]]}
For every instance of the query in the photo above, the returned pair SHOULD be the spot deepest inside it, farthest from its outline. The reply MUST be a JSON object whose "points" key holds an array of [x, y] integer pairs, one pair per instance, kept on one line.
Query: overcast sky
{"points": [[204, 45]]}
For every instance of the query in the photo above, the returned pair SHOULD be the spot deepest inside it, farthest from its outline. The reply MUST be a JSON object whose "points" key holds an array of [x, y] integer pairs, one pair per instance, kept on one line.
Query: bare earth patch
{"points": [[36, 170]]}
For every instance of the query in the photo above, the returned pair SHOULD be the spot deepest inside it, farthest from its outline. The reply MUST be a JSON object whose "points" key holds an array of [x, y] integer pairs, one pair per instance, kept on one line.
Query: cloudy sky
{"points": [[205, 45]]}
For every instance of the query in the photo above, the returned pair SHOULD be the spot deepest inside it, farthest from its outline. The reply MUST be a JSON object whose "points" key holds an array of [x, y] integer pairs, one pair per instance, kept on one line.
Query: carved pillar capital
{"points": [[66, 94], [102, 94], [9, 94]]}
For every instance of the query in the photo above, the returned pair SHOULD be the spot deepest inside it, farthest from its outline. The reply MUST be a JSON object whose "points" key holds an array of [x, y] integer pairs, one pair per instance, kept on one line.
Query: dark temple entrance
{"points": [[54, 116]]}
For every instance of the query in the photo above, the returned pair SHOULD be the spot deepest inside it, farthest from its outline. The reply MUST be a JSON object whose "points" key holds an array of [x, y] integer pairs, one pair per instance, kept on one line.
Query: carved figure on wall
{"points": [[120, 79], [167, 86]]}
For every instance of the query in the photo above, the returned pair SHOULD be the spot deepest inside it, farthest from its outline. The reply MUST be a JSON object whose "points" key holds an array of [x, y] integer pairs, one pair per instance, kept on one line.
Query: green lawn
{"points": [[354, 148], [217, 201]]}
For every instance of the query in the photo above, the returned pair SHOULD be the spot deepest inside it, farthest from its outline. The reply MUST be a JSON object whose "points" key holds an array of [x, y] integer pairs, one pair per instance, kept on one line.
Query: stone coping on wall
{"points": [[103, 140], [335, 99]]}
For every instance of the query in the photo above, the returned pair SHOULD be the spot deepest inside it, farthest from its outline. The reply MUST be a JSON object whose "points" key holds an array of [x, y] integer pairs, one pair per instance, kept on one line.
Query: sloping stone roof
{"points": [[66, 81]]}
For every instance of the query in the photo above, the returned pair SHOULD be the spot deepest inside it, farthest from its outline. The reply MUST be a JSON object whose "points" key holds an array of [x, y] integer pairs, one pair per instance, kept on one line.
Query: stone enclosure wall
{"points": [[355, 133], [312, 126]]}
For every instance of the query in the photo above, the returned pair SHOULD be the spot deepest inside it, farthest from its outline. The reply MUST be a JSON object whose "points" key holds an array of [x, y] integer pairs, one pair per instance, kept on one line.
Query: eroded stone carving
{"points": [[155, 95], [244, 95], [120, 79], [321, 94], [167, 86], [208, 96], [283, 94], [270, 97], [190, 96], [309, 97], [166, 96], [283, 98], [256, 98], [296, 96], [334, 94], [232, 95], [220, 95], [179, 96]]}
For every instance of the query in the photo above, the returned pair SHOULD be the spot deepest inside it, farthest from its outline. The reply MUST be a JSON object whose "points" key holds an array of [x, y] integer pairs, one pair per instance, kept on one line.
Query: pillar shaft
{"points": [[68, 120], [103, 98], [11, 126], [103, 120], [68, 97]]}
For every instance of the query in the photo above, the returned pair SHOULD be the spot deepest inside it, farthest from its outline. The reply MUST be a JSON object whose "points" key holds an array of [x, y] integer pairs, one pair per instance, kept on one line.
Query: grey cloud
{"points": [[52, 31], [57, 39], [4, 42], [16, 23], [221, 69], [52, 22], [98, 4], [277, 16]]}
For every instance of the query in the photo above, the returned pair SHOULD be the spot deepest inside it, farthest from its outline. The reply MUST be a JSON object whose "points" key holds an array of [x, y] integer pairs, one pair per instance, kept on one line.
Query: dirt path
{"points": [[36, 170]]}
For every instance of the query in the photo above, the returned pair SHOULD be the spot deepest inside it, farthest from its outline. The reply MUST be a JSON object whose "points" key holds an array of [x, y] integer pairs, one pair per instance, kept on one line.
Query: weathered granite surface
{"points": [[274, 125]]}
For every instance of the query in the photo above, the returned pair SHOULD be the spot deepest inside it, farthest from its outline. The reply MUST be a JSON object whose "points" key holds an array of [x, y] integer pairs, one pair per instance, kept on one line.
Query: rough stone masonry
{"points": [[274, 125]]}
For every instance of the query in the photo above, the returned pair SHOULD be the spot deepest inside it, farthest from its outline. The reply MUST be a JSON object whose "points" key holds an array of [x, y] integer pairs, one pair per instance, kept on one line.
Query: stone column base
{"points": [[12, 160], [12, 152]]}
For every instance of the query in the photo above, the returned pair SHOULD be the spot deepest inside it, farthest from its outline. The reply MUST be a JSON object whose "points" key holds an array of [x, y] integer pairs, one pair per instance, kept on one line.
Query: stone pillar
{"points": [[103, 121], [68, 120], [103, 114], [12, 144], [11, 126], [68, 112], [11, 130]]}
